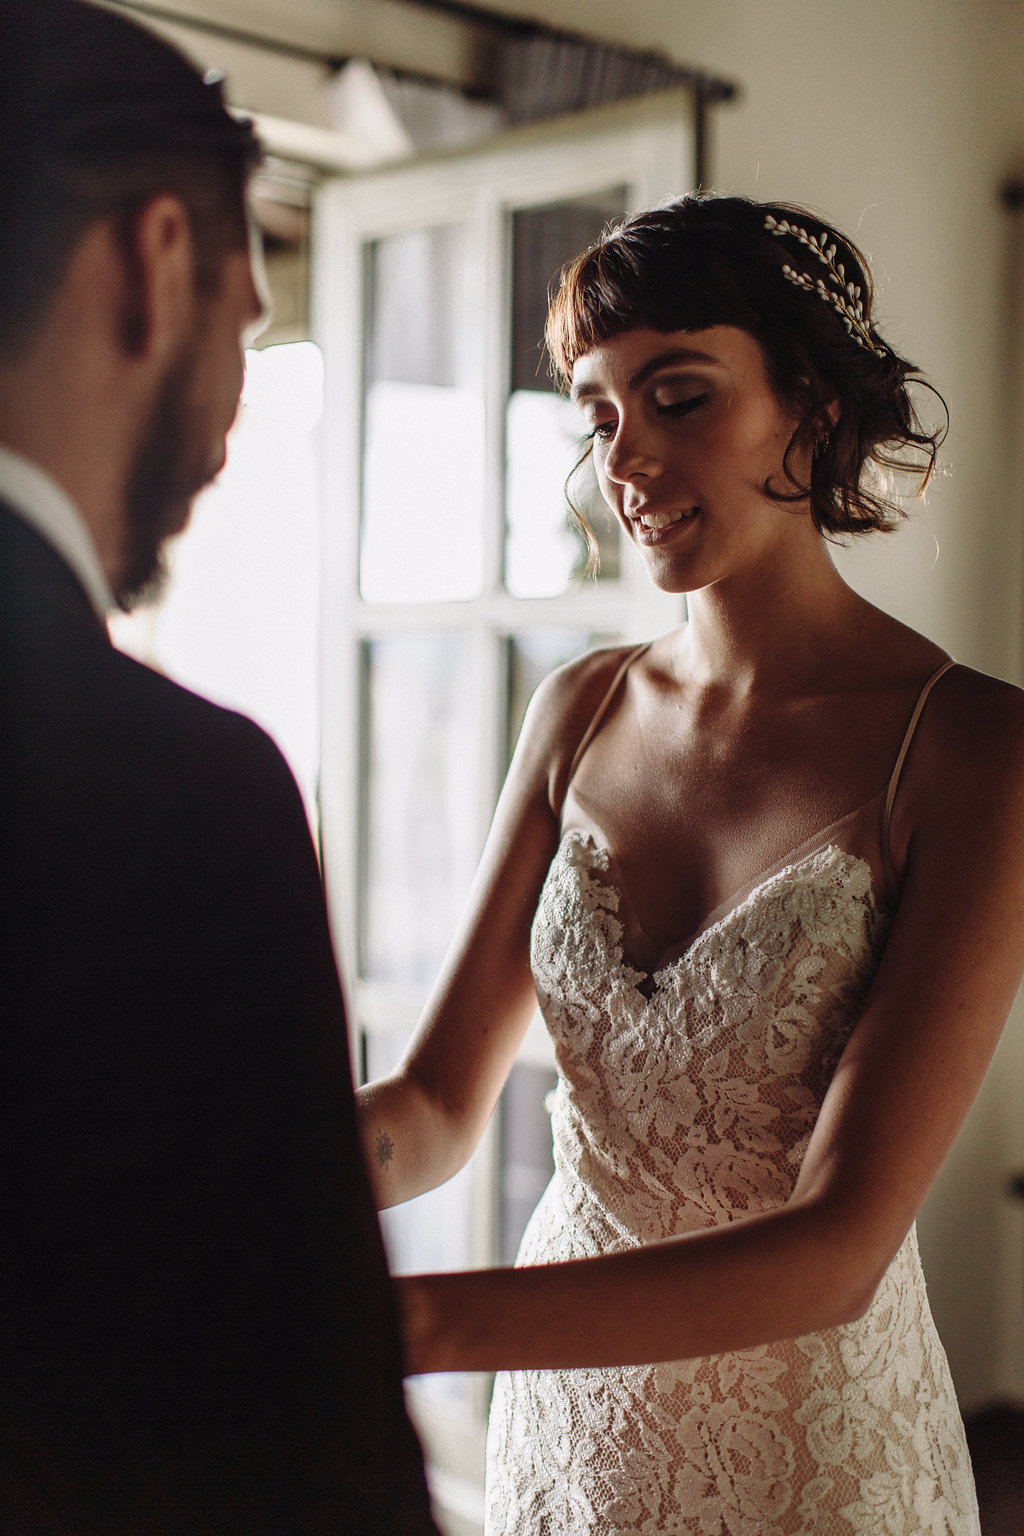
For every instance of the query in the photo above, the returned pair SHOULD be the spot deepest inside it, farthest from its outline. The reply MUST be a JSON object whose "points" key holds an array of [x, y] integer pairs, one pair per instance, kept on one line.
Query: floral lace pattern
{"points": [[686, 1100]]}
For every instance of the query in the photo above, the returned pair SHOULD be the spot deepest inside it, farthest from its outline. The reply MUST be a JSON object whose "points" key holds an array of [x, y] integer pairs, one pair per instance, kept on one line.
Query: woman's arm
{"points": [[421, 1123], [903, 1086]]}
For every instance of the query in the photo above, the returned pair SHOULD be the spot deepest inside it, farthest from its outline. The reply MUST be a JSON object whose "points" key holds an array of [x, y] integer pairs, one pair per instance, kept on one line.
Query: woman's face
{"points": [[686, 429]]}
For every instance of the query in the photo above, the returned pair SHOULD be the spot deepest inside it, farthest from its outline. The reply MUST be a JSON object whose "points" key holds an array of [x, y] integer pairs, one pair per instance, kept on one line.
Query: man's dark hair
{"points": [[97, 116]]}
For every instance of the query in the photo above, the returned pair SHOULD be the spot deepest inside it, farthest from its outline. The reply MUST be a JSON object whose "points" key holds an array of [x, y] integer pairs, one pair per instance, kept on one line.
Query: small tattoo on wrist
{"points": [[385, 1148]]}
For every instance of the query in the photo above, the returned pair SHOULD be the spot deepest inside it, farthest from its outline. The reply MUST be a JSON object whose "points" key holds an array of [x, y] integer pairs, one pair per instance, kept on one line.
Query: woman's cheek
{"points": [[610, 493]]}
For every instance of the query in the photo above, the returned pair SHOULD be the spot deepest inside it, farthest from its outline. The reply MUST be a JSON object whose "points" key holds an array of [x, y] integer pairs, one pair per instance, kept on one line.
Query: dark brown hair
{"points": [[97, 116], [702, 261]]}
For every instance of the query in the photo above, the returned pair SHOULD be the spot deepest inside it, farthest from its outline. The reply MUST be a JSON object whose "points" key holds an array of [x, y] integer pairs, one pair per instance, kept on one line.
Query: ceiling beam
{"points": [[414, 39]]}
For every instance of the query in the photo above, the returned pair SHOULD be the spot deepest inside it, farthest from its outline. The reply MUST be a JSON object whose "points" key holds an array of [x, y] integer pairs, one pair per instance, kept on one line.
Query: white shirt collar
{"points": [[37, 497]]}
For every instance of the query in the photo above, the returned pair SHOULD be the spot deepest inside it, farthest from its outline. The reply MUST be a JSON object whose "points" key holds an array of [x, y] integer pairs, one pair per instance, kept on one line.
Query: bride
{"points": [[764, 876]]}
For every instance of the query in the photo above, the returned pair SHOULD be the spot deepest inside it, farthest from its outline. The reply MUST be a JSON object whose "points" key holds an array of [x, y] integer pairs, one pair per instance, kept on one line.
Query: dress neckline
{"points": [[880, 804], [819, 842]]}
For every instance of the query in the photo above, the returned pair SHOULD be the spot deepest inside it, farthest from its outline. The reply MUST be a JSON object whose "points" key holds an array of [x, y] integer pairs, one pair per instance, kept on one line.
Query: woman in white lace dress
{"points": [[765, 877]]}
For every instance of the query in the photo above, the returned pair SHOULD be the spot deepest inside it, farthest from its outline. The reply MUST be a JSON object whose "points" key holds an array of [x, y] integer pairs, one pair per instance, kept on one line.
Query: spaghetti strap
{"points": [[894, 781], [601, 711]]}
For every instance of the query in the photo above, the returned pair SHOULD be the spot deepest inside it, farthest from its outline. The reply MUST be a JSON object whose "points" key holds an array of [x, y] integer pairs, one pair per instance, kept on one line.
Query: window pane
{"points": [[543, 441], [238, 618], [543, 433], [418, 797], [423, 442]]}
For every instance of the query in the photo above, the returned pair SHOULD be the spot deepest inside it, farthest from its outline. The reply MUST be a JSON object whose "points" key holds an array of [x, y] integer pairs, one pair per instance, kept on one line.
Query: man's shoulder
{"points": [[158, 730], [52, 635], [103, 735], [159, 705]]}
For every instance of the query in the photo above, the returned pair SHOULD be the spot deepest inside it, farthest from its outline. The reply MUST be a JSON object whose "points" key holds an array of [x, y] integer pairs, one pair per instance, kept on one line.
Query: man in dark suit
{"points": [[198, 1333]]}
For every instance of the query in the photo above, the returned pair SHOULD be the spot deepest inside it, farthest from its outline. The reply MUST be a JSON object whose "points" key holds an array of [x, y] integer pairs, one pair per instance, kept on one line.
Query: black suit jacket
{"points": [[196, 1322]]}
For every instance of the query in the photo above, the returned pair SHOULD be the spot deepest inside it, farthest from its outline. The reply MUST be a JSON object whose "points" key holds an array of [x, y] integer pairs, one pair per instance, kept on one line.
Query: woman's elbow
{"points": [[860, 1272], [846, 1266], [856, 1301]]}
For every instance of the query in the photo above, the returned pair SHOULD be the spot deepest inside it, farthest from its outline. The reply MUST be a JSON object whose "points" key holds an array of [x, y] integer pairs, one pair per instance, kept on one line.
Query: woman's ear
{"points": [[820, 428]]}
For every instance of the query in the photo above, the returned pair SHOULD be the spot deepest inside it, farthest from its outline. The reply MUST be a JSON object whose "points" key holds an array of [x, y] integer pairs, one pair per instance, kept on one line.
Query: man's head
{"points": [[105, 127], [98, 115]]}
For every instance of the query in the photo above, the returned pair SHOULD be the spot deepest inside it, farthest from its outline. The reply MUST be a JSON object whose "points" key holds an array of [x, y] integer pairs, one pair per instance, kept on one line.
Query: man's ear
{"points": [[158, 259]]}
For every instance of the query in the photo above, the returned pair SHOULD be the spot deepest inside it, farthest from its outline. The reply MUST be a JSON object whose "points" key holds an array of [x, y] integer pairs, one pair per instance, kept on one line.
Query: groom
{"points": [[196, 1322]]}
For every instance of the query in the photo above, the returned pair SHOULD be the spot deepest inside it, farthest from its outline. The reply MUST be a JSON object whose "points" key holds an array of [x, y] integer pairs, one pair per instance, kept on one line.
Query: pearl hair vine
{"points": [[844, 297]]}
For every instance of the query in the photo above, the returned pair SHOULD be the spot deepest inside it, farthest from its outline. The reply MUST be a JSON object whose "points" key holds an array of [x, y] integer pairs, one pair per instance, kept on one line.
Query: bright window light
{"points": [[238, 620]]}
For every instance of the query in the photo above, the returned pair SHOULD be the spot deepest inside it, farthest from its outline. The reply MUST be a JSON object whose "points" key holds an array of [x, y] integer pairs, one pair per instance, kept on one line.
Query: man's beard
{"points": [[164, 480]]}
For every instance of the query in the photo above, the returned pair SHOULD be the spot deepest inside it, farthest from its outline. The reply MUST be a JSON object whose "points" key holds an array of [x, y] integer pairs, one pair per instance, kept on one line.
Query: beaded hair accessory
{"points": [[844, 297]]}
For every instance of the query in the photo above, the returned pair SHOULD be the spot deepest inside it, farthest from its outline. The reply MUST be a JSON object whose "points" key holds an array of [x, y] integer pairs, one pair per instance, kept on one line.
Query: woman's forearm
{"points": [[791, 1272], [409, 1143]]}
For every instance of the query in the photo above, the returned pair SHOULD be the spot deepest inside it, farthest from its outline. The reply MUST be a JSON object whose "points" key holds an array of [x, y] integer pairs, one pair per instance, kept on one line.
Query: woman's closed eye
{"points": [[682, 407], [604, 431]]}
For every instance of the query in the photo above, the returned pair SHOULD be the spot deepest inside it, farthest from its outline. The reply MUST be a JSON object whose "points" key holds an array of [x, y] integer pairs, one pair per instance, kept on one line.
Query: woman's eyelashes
{"points": [[682, 407], [604, 431], [601, 432]]}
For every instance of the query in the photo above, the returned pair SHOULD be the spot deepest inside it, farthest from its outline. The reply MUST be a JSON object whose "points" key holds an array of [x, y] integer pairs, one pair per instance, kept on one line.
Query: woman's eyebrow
{"points": [[653, 365]]}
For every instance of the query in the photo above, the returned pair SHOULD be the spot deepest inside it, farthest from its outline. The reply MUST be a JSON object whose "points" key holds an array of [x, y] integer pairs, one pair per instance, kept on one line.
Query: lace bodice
{"points": [[686, 1100], [704, 1094]]}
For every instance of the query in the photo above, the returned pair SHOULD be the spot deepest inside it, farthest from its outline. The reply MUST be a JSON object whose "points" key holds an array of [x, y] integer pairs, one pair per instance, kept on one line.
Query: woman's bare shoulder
{"points": [[970, 744], [973, 709], [562, 709], [585, 680]]}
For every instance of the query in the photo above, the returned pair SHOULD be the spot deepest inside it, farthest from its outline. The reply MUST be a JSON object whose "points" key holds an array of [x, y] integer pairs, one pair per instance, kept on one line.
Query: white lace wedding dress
{"points": [[685, 1101]]}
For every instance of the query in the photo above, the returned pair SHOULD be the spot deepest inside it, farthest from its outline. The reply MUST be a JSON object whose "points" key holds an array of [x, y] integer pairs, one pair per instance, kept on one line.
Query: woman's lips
{"points": [[655, 527]]}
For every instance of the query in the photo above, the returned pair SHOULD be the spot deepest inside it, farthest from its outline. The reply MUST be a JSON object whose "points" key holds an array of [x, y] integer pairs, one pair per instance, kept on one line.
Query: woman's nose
{"points": [[631, 455]]}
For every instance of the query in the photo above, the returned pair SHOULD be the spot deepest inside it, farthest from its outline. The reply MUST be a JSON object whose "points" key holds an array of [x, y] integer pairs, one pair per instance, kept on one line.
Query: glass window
{"points": [[543, 432], [423, 431], [238, 618], [419, 850]]}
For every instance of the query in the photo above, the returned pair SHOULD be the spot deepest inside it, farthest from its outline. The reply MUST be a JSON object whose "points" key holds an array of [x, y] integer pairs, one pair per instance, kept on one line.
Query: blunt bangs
{"points": [[615, 286]]}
